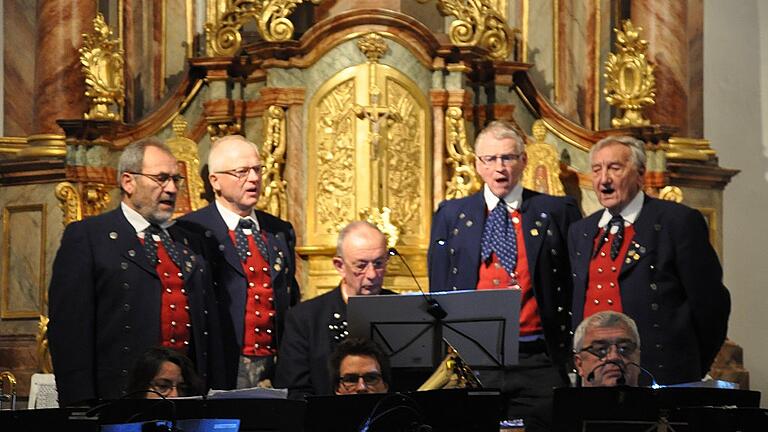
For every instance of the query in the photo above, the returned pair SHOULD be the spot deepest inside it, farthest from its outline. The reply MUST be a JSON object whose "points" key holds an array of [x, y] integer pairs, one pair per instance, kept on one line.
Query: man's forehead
{"points": [[607, 334], [501, 145]]}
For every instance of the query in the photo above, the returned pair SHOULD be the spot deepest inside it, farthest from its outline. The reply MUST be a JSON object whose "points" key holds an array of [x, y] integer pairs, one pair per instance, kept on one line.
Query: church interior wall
{"points": [[736, 120]]}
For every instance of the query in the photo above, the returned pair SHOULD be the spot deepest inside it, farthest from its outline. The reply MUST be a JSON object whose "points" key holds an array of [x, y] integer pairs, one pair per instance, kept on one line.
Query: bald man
{"points": [[252, 254], [315, 327]]}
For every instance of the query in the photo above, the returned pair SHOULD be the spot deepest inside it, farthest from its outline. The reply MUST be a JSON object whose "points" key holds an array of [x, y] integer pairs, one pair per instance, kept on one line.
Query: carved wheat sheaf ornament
{"points": [[630, 84]]}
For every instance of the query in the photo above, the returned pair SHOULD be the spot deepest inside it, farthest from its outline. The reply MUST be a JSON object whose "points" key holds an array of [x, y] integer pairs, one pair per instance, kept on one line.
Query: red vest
{"points": [[603, 291], [493, 276], [259, 319], [175, 326]]}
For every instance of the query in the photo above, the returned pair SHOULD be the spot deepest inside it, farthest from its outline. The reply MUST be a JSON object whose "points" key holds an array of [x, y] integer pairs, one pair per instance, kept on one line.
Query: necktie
{"points": [[241, 240], [618, 237], [499, 236], [150, 246]]}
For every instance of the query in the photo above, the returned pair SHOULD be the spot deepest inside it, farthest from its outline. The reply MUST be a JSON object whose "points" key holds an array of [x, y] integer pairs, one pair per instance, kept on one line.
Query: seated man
{"points": [[314, 328], [606, 349], [360, 366]]}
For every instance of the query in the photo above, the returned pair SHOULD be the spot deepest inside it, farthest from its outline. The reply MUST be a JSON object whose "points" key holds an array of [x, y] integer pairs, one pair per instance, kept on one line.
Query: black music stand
{"points": [[483, 326], [643, 409]]}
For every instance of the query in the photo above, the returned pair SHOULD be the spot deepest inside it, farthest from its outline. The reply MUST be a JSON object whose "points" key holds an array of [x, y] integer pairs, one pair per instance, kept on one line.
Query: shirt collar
{"points": [[231, 219], [629, 213], [137, 221], [513, 198]]}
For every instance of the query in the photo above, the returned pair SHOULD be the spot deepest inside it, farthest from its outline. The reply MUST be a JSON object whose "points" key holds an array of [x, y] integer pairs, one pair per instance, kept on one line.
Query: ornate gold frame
{"points": [[274, 199]]}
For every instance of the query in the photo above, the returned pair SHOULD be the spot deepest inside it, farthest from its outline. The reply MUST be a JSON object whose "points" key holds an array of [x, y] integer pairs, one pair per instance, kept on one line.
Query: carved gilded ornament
{"points": [[479, 23], [102, 61], [185, 151], [96, 198], [372, 46], [671, 193], [43, 352], [218, 128], [271, 16], [464, 179], [630, 84], [69, 199], [335, 158], [541, 173], [273, 198], [382, 219]]}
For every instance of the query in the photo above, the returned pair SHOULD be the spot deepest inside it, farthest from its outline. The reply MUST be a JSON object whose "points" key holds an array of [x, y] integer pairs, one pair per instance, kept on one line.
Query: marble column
{"points": [[59, 84], [59, 89], [664, 24]]}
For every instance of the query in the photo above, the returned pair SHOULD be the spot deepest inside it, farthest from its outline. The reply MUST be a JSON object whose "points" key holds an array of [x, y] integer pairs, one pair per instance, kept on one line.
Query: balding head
{"points": [[361, 259]]}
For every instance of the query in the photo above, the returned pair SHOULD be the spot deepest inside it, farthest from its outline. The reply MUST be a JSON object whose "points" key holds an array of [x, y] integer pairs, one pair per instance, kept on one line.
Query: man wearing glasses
{"points": [[252, 254], [360, 366], [508, 237], [128, 280], [606, 349], [314, 328]]}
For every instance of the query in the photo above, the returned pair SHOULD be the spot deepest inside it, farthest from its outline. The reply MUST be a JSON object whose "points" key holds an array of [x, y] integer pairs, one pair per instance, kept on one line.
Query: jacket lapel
{"points": [[535, 227], [226, 247], [646, 230], [128, 243], [475, 212]]}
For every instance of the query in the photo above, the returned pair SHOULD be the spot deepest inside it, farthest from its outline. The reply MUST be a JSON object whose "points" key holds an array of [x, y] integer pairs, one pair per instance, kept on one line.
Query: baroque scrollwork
{"points": [[478, 23], [541, 173], [69, 199], [102, 61], [273, 199], [336, 158], [271, 16], [630, 82], [464, 180], [95, 199], [43, 352]]}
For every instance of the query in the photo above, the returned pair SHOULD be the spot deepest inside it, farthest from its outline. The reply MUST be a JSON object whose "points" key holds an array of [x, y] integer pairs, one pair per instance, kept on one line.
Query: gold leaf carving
{"points": [[69, 202], [542, 170], [383, 221], [671, 193], [271, 16], [43, 352], [404, 162], [273, 198], [372, 46], [464, 180], [185, 150], [630, 82], [336, 159], [102, 61], [95, 199], [478, 23]]}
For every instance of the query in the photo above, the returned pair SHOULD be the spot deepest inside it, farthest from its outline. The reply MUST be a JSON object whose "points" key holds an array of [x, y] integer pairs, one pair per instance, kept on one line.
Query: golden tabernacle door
{"points": [[369, 148]]}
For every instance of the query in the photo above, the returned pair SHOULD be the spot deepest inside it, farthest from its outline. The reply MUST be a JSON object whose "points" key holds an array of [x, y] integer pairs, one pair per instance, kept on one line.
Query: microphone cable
{"points": [[433, 307]]}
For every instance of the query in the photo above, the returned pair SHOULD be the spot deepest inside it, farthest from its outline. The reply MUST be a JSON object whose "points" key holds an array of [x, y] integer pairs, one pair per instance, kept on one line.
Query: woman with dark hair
{"points": [[163, 372]]}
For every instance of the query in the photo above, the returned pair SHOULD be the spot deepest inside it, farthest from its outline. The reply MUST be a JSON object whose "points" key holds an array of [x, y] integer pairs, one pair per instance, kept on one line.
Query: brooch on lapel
{"points": [[337, 328], [635, 252]]}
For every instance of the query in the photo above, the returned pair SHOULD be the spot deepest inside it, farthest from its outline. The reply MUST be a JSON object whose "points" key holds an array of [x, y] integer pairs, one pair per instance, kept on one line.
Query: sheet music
{"points": [[42, 392]]}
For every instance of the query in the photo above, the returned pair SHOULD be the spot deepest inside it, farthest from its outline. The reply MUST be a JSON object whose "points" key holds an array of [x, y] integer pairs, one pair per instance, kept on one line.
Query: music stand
{"points": [[483, 326]]}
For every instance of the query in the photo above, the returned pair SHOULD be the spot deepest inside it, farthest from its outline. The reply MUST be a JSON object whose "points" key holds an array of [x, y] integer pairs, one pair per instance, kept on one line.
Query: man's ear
{"points": [[338, 264], [128, 183], [215, 185], [577, 362]]}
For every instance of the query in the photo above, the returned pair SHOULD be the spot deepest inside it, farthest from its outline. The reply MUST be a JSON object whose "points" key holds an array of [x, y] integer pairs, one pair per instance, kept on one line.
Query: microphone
{"points": [[622, 380], [433, 307], [654, 384]]}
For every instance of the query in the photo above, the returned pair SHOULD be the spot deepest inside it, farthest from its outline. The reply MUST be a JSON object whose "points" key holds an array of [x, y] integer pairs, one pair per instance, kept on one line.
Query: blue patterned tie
{"points": [[241, 240], [618, 238], [499, 236], [150, 247]]}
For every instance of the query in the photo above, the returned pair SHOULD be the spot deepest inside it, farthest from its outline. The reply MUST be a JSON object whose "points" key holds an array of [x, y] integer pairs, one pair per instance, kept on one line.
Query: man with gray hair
{"points": [[127, 280], [652, 260], [315, 327], [606, 350], [506, 236]]}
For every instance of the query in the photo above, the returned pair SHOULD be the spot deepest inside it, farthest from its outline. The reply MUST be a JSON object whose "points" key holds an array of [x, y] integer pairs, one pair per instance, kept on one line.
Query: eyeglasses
{"points": [[359, 267], [350, 381], [244, 172], [162, 179], [506, 159], [601, 349], [164, 386]]}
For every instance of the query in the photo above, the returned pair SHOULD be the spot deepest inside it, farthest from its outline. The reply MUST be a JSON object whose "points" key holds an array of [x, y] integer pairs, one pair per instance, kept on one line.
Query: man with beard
{"points": [[127, 280]]}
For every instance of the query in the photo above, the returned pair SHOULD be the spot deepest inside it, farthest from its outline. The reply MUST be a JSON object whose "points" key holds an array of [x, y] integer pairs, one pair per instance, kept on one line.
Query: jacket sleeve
{"points": [[295, 294], [701, 276], [294, 358], [72, 311], [437, 256]]}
